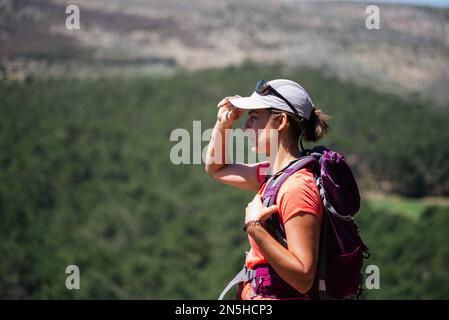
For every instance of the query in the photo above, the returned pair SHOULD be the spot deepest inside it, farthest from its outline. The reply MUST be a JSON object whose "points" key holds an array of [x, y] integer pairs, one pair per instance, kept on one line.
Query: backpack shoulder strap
{"points": [[274, 225], [272, 189]]}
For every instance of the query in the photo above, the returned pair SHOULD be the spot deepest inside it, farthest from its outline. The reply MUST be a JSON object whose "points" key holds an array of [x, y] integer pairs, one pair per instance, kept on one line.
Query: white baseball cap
{"points": [[264, 97]]}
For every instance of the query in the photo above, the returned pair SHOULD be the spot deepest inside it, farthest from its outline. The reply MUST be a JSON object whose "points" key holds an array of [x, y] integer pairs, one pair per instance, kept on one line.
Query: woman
{"points": [[285, 106]]}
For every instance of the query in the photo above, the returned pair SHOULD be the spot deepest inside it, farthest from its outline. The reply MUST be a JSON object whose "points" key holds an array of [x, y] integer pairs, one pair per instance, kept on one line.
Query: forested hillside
{"points": [[86, 179]]}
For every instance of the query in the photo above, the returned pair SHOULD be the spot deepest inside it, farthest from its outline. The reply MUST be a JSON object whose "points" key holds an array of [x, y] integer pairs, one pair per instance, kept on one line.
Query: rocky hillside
{"points": [[409, 54]]}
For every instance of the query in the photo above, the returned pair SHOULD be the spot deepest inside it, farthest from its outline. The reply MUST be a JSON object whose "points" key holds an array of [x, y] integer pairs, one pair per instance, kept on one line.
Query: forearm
{"points": [[287, 266], [217, 154]]}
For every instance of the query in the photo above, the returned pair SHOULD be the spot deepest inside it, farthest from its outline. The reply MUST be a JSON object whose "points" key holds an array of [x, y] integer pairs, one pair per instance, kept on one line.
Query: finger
{"points": [[272, 209], [222, 103], [267, 212], [225, 101]]}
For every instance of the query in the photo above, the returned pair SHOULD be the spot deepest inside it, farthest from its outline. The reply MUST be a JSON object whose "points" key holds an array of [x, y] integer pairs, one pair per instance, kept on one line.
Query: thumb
{"points": [[267, 212], [272, 209]]}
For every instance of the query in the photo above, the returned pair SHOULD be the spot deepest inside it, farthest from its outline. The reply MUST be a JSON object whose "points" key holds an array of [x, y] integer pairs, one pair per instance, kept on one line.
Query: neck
{"points": [[283, 158]]}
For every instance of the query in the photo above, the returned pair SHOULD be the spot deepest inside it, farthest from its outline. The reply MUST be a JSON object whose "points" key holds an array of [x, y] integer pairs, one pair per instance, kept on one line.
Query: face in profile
{"points": [[261, 131]]}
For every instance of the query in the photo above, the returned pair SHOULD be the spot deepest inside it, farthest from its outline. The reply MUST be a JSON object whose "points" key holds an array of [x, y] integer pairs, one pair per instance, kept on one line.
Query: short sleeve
{"points": [[299, 193], [262, 171]]}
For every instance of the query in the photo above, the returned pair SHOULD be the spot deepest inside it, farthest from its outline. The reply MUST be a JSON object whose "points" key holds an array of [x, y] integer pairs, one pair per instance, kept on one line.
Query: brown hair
{"points": [[312, 130]]}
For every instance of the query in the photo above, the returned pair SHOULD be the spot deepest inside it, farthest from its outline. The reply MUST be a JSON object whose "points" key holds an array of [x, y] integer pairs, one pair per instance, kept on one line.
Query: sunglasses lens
{"points": [[261, 86]]}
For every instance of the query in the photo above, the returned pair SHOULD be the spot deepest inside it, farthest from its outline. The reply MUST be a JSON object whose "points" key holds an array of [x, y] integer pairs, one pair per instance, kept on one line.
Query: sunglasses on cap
{"points": [[263, 88]]}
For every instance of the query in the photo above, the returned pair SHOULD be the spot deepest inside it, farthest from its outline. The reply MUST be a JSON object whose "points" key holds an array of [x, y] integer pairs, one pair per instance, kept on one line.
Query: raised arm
{"points": [[239, 175]]}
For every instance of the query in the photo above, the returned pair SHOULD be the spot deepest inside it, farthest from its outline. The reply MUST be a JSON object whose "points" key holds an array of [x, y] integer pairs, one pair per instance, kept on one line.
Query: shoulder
{"points": [[304, 175], [298, 181]]}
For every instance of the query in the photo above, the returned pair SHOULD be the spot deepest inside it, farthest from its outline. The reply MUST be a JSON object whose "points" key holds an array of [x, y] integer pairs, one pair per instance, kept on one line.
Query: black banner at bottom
{"points": [[206, 309]]}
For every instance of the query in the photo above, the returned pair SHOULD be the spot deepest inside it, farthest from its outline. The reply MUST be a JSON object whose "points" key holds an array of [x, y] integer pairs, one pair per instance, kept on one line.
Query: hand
{"points": [[227, 113], [257, 211]]}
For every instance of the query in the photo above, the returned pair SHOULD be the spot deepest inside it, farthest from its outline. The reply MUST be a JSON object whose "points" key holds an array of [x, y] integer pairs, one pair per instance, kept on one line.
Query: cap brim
{"points": [[249, 103]]}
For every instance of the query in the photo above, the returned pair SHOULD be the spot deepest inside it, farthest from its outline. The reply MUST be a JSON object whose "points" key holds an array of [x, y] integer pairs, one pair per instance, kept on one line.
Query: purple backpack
{"points": [[342, 250]]}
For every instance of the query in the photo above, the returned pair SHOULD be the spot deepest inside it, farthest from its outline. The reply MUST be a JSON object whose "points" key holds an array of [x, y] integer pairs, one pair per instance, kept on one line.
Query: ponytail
{"points": [[316, 127]]}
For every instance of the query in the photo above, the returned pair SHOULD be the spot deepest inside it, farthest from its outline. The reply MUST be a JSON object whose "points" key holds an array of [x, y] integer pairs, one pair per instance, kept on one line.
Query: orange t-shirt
{"points": [[299, 193]]}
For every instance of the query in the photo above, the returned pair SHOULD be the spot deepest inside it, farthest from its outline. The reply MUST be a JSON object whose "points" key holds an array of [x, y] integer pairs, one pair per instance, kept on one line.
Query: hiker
{"points": [[285, 106]]}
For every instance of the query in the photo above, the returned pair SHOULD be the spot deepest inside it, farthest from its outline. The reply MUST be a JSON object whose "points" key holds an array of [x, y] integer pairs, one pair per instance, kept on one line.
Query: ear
{"points": [[283, 122]]}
